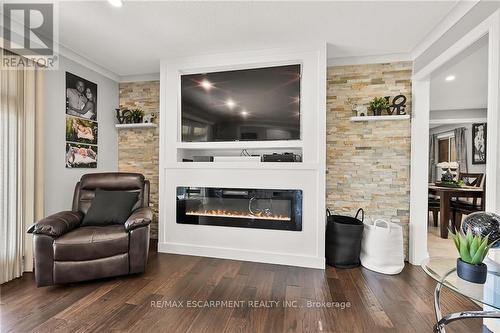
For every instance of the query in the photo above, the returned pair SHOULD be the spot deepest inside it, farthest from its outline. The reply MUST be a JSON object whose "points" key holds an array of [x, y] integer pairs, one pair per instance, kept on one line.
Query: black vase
{"points": [[472, 273], [377, 112]]}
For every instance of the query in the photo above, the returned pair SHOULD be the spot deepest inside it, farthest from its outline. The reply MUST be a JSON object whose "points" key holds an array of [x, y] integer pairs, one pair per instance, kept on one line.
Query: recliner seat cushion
{"points": [[93, 242]]}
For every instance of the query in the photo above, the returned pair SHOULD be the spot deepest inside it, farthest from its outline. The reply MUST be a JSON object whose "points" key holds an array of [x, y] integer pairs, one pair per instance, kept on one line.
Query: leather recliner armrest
{"points": [[57, 224], [139, 218]]}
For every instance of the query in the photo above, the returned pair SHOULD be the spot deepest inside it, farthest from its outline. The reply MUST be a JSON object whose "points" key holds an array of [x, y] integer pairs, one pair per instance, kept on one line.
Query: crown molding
{"points": [[72, 55], [456, 13], [140, 77], [372, 59]]}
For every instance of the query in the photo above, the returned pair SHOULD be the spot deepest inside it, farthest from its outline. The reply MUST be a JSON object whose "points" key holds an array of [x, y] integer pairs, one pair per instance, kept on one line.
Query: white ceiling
{"points": [[469, 90], [132, 39]]}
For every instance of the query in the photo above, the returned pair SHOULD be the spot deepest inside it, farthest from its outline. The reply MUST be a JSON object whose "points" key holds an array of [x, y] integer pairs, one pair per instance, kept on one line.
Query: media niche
{"points": [[256, 104], [245, 208]]}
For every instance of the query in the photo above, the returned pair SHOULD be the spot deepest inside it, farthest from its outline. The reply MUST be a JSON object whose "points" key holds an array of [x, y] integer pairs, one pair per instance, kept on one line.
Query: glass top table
{"points": [[443, 270]]}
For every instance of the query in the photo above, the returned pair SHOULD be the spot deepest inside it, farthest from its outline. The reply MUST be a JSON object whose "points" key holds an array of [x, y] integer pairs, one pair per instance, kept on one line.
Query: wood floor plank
{"points": [[378, 303]]}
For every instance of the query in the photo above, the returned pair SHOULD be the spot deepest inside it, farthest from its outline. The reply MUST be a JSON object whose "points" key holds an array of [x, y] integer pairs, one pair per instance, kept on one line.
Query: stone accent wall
{"points": [[368, 163], [138, 149]]}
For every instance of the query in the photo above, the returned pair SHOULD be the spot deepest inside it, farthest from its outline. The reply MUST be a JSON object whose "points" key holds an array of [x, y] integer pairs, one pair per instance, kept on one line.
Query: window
{"points": [[446, 149]]}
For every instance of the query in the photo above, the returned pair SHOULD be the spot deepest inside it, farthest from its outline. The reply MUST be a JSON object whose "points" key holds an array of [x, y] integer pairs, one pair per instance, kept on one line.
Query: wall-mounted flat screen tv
{"points": [[256, 104]]}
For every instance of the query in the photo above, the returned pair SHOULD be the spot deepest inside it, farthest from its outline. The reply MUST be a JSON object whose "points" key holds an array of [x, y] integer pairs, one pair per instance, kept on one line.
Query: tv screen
{"points": [[241, 105]]}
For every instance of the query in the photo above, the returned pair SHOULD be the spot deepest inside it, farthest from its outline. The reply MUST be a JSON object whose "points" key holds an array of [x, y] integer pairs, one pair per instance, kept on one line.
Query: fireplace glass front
{"points": [[245, 208]]}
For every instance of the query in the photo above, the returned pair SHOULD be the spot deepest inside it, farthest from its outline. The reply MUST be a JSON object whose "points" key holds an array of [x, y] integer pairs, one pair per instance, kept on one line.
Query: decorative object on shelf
{"points": [[377, 105], [472, 248], [361, 110], [149, 118], [479, 143], [398, 105], [123, 115], [388, 109], [136, 116]]}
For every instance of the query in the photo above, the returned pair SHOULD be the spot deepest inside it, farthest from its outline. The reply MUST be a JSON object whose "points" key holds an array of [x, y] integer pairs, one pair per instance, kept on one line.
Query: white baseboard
{"points": [[244, 255]]}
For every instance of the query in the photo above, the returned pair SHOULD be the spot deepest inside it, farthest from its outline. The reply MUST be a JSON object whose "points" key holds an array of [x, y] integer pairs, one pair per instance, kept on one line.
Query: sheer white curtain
{"points": [[20, 166]]}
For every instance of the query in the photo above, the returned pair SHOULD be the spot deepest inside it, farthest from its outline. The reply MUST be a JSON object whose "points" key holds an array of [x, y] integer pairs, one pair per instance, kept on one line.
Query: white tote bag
{"points": [[382, 247]]}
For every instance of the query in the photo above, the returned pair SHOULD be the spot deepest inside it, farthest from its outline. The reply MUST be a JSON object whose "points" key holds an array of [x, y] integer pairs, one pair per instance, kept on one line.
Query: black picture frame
{"points": [[479, 135], [81, 97]]}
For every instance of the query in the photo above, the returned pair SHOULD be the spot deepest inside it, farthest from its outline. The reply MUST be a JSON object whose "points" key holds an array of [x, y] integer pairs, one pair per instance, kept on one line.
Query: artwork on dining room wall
{"points": [[81, 122], [479, 143]]}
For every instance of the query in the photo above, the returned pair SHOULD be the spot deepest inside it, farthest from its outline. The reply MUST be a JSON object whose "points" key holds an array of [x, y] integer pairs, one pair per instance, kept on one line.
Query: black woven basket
{"points": [[343, 239]]}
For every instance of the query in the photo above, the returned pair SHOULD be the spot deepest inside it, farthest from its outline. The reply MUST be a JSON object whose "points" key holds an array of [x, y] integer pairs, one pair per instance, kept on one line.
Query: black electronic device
{"points": [[281, 157]]}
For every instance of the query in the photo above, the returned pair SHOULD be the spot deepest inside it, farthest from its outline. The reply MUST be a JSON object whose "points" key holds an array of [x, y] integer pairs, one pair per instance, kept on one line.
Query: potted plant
{"points": [[136, 116], [472, 250], [377, 105]]}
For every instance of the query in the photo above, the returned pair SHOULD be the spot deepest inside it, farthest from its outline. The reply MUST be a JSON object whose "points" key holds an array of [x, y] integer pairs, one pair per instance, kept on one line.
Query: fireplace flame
{"points": [[237, 214]]}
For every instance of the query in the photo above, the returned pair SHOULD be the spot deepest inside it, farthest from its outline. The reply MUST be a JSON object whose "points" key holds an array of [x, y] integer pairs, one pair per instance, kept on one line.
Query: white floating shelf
{"points": [[379, 118], [139, 125]]}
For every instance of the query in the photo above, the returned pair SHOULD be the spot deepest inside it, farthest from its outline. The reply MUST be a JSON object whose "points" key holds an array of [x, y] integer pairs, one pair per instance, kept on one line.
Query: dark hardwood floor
{"points": [[378, 303]]}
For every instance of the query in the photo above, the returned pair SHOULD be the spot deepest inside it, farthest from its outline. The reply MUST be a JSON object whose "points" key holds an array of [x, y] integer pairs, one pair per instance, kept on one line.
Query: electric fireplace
{"points": [[236, 207]]}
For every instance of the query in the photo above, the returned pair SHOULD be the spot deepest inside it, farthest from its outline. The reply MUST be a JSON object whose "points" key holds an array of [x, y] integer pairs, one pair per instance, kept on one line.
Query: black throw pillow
{"points": [[110, 207]]}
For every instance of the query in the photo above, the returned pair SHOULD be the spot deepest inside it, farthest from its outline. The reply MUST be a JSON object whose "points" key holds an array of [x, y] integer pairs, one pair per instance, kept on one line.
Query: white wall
{"points": [[60, 181], [474, 168]]}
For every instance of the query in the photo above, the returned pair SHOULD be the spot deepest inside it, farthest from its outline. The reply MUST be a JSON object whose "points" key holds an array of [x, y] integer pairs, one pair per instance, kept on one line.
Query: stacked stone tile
{"points": [[138, 149], [368, 163]]}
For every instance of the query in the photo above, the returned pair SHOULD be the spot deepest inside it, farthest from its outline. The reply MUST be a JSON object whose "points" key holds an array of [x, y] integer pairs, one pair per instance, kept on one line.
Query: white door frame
{"points": [[420, 132]]}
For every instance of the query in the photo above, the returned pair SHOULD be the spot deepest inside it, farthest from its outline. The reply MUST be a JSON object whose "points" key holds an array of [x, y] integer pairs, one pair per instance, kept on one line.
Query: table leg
{"points": [[444, 213], [441, 321]]}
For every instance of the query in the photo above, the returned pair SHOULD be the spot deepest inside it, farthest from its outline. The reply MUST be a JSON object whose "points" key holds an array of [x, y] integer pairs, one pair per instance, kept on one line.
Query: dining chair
{"points": [[467, 205], [434, 207]]}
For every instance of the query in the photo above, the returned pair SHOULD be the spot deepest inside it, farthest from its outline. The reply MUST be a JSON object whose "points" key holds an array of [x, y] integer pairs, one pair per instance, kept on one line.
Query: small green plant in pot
{"points": [[136, 115], [472, 250], [377, 105]]}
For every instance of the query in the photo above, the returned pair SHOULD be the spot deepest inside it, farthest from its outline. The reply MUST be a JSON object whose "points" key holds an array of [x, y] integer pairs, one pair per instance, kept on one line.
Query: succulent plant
{"points": [[378, 104], [472, 248], [136, 115]]}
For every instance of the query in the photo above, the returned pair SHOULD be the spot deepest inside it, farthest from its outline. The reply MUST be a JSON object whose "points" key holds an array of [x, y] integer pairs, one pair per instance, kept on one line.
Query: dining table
{"points": [[446, 193]]}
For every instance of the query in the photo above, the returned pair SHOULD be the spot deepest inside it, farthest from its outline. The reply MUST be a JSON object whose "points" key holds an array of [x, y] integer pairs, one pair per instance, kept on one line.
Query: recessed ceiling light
{"points": [[230, 103], [450, 78], [207, 85], [244, 113], [116, 3]]}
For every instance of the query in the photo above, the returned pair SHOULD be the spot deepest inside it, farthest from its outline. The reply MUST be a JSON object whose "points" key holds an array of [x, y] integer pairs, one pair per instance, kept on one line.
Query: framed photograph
{"points": [[81, 130], [80, 155], [479, 143], [81, 97]]}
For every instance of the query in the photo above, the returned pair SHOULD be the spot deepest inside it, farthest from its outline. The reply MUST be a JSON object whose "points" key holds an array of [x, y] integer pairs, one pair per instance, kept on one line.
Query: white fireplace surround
{"points": [[298, 248]]}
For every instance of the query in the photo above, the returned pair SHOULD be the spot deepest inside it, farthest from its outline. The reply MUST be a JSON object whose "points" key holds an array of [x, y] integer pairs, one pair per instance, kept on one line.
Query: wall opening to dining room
{"points": [[457, 144], [422, 119]]}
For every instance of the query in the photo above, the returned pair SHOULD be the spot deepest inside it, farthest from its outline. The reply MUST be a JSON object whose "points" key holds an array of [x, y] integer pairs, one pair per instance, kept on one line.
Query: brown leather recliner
{"points": [[66, 252]]}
